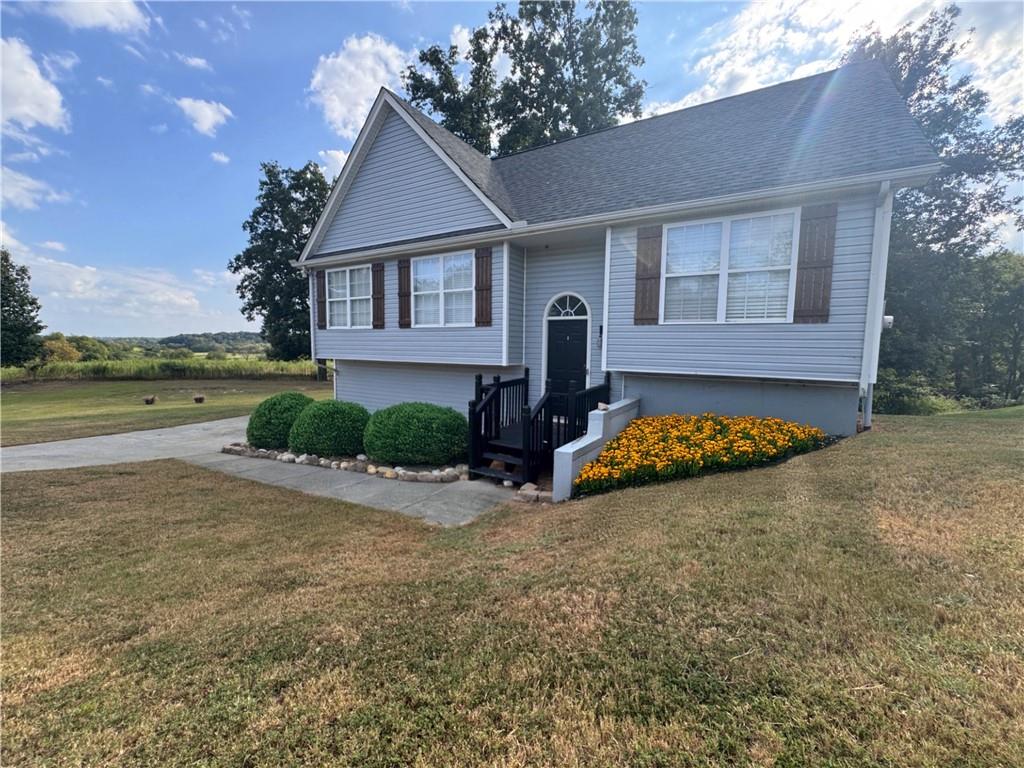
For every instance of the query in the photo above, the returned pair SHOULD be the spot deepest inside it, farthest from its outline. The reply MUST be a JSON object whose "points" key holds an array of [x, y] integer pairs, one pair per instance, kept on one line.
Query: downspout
{"points": [[876, 299]]}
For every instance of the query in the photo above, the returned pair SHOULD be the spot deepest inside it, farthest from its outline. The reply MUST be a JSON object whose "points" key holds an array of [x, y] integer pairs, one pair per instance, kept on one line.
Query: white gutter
{"points": [[876, 287], [902, 177]]}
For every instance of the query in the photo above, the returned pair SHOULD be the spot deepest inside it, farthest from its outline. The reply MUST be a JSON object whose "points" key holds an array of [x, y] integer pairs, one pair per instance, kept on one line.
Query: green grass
{"points": [[56, 410], [862, 605], [159, 368]]}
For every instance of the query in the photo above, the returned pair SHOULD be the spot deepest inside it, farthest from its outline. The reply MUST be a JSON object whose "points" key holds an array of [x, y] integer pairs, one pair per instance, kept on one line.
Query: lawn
{"points": [[858, 606], [56, 410]]}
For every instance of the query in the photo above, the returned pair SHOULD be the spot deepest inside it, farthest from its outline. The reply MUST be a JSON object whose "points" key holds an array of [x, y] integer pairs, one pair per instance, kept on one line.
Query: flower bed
{"points": [[655, 448]]}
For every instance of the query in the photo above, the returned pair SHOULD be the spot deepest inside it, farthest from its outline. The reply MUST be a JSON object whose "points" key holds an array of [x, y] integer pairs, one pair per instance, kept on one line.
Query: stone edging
{"points": [[359, 464]]}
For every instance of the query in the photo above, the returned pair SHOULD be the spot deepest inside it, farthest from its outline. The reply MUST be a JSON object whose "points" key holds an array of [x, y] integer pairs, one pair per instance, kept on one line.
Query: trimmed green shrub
{"points": [[329, 428], [416, 433], [272, 420]]}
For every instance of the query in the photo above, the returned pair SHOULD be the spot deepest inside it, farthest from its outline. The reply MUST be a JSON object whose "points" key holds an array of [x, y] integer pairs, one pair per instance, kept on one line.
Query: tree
{"points": [[570, 74], [90, 348], [467, 111], [938, 231], [57, 349], [272, 290], [19, 314]]}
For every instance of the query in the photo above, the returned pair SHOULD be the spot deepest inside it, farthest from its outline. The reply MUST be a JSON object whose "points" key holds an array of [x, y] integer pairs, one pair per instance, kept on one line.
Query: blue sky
{"points": [[133, 133]]}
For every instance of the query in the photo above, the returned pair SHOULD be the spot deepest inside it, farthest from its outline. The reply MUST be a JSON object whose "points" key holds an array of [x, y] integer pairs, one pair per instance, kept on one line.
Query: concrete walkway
{"points": [[443, 503]]}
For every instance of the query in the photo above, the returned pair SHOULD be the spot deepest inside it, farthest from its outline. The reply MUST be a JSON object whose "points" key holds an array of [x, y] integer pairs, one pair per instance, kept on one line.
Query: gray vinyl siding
{"points": [[402, 190], [458, 345], [378, 385], [516, 294], [549, 273], [828, 351]]}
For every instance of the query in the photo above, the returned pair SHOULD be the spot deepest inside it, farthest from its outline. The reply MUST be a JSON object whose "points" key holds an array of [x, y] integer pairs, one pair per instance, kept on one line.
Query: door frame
{"points": [[544, 343]]}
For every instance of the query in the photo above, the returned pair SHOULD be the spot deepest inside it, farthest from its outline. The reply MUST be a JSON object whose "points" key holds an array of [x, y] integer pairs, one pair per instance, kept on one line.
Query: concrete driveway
{"points": [[443, 503]]}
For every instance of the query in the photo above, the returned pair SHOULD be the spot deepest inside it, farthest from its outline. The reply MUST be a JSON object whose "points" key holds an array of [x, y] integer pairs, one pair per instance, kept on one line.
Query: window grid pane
{"points": [[691, 299], [359, 282], [762, 242], [458, 272], [762, 295], [458, 307], [337, 313], [427, 309], [337, 286], [426, 275], [693, 248], [361, 312]]}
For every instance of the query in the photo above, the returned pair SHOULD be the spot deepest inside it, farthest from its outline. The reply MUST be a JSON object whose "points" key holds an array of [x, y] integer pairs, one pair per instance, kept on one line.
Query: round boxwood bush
{"points": [[416, 433], [329, 428], [272, 420]]}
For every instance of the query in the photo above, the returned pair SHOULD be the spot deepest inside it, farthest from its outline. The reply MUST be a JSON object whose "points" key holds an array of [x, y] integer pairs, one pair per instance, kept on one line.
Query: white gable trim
{"points": [[355, 160]]}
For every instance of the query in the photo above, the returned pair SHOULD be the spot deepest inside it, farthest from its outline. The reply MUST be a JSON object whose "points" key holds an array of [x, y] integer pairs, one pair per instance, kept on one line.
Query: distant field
{"points": [[162, 368], [39, 412]]}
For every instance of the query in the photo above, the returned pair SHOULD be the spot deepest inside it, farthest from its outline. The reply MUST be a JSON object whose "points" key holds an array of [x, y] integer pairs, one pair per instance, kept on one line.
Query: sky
{"points": [[133, 132]]}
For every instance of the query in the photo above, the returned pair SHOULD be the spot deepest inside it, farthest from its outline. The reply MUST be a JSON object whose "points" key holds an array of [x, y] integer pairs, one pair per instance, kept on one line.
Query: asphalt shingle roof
{"points": [[838, 124]]}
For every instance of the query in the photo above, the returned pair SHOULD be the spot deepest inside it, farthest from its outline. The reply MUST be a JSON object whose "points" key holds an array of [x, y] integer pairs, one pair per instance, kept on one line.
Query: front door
{"points": [[567, 354]]}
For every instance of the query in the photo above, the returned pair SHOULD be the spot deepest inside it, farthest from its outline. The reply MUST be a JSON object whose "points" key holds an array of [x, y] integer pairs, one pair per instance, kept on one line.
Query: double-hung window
{"points": [[734, 270], [349, 298], [442, 290]]}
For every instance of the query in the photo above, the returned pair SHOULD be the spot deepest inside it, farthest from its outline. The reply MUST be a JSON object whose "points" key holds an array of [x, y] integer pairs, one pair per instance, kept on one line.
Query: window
{"points": [[348, 298], [738, 269], [442, 290], [567, 306]]}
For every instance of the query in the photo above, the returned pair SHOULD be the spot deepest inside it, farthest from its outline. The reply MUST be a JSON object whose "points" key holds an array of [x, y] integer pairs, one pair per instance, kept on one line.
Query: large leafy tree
{"points": [[572, 71], [272, 290], [941, 230], [19, 322]]}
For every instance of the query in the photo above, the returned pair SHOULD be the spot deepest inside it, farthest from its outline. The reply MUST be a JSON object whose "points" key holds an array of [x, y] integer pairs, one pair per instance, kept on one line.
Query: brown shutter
{"points": [[482, 288], [648, 275], [814, 263], [377, 291], [404, 294], [321, 298]]}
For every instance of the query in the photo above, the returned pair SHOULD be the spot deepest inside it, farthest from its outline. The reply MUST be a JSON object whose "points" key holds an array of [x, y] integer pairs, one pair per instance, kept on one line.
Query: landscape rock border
{"points": [[359, 463]]}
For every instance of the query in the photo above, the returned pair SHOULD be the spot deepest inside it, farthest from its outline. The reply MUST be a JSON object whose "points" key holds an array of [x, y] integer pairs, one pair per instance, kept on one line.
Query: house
{"points": [[727, 257]]}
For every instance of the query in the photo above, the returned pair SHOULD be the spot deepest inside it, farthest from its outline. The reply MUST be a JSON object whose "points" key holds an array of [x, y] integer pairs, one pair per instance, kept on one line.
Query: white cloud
{"points": [[53, 245], [59, 65], [104, 301], [25, 192], [196, 62], [769, 42], [149, 89], [220, 157], [120, 17], [134, 51], [106, 82], [29, 99], [159, 128], [460, 37], [242, 15], [209, 279], [333, 160], [206, 116], [345, 83]]}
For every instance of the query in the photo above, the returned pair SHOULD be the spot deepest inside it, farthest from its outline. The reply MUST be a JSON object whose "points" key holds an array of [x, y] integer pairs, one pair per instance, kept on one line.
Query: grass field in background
{"points": [[161, 368], [39, 412], [862, 605]]}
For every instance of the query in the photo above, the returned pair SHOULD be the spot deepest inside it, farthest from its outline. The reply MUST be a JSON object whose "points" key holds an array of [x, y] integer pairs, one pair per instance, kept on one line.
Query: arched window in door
{"points": [[567, 305]]}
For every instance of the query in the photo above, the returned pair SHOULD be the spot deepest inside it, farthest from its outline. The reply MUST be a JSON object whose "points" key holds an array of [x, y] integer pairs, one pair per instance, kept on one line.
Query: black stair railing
{"points": [[494, 407]]}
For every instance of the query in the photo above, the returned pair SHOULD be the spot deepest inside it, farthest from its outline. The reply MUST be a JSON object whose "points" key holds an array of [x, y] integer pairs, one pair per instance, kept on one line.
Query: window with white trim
{"points": [[442, 290], [738, 269], [349, 303]]}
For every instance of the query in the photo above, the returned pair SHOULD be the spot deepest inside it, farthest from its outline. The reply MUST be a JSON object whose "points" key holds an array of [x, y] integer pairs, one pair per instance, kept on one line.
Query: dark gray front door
{"points": [[567, 354]]}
